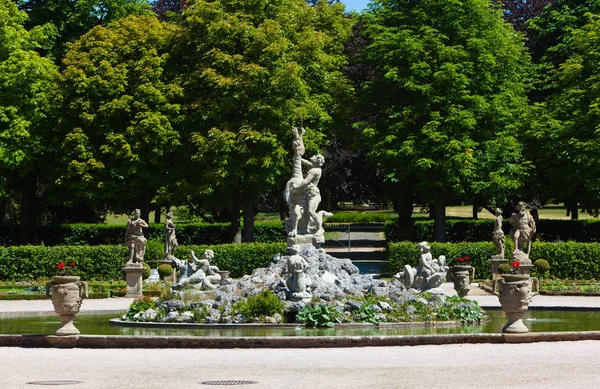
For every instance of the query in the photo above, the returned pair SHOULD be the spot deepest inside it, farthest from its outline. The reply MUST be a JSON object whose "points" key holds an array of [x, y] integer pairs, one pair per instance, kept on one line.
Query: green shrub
{"points": [[504, 268], [480, 230], [113, 234], [360, 217], [146, 271], [165, 270], [318, 315], [107, 262], [266, 303], [541, 266], [569, 260], [139, 305]]}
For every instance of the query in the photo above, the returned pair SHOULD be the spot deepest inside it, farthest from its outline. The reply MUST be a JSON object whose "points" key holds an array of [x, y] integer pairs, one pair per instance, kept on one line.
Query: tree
{"points": [[26, 80], [117, 132], [518, 12], [73, 18], [568, 119], [447, 98], [250, 70]]}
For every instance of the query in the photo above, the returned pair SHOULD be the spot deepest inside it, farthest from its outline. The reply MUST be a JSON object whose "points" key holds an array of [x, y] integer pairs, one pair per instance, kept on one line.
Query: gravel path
{"points": [[538, 365]]}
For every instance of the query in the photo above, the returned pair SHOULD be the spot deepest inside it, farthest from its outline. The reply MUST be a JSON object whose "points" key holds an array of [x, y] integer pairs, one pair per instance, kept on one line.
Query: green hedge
{"points": [[106, 262], [361, 217], [569, 260], [113, 234], [480, 230]]}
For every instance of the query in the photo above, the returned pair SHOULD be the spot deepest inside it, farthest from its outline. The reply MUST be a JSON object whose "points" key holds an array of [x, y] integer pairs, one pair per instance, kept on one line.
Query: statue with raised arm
{"points": [[523, 229], [170, 238], [302, 193], [134, 238], [205, 275]]}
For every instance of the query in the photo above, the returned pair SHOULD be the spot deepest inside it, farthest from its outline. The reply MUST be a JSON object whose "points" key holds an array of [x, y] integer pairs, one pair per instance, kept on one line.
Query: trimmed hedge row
{"points": [[114, 234], [106, 262], [480, 230], [569, 260]]}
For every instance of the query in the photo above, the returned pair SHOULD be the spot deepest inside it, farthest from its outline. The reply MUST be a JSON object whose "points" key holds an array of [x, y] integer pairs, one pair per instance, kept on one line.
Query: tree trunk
{"points": [[475, 208], [235, 234], [439, 224], [574, 210], [28, 209], [157, 214], [248, 214], [403, 206]]}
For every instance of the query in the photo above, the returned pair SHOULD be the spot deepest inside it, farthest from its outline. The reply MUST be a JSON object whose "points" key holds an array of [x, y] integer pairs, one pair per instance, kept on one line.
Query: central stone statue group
{"points": [[302, 193]]}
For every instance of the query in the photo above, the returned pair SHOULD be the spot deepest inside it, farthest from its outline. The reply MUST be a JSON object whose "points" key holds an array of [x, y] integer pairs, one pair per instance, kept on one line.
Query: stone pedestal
{"points": [[134, 281], [496, 261]]}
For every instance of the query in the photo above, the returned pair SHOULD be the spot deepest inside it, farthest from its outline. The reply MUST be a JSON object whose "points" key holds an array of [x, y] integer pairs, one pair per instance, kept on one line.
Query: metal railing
{"points": [[354, 236]]}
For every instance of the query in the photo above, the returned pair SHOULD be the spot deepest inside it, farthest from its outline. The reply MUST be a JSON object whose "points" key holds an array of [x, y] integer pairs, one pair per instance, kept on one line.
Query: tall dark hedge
{"points": [[113, 234], [480, 230]]}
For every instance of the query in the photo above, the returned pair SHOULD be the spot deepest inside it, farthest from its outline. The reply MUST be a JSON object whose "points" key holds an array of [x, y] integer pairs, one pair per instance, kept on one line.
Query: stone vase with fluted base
{"points": [[515, 293], [67, 293], [462, 276]]}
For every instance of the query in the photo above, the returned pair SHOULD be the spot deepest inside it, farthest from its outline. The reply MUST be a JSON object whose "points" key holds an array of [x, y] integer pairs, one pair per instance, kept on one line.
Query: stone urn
{"points": [[515, 293], [462, 276], [67, 293]]}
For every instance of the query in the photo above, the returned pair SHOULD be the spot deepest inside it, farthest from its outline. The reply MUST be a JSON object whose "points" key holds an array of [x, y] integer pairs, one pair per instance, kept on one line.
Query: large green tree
{"points": [[70, 19], [567, 116], [250, 70], [117, 134], [26, 80], [446, 99]]}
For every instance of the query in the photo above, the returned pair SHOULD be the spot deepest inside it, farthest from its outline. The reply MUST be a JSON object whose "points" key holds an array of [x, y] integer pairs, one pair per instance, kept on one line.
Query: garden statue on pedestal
{"points": [[299, 282], [523, 229], [498, 240], [199, 272], [136, 244], [135, 240], [170, 238], [303, 197], [428, 275]]}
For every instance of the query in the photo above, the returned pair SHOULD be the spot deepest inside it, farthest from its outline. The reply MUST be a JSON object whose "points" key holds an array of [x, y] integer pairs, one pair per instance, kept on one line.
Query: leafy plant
{"points": [[201, 313], [318, 315], [146, 271], [266, 303], [541, 267], [504, 268], [165, 270], [139, 305]]}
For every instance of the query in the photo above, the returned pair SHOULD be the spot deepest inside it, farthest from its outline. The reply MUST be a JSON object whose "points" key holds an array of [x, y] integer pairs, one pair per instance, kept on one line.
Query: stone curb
{"points": [[118, 341]]}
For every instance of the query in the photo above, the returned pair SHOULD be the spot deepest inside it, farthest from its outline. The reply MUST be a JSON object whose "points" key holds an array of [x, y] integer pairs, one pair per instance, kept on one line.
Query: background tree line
{"points": [[120, 104]]}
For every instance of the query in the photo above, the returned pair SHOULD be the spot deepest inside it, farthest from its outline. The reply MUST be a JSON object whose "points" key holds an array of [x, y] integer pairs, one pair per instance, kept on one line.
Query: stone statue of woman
{"points": [[498, 234], [170, 238]]}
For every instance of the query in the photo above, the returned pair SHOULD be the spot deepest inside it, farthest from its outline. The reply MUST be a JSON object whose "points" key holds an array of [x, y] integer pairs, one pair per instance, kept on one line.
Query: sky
{"points": [[355, 5]]}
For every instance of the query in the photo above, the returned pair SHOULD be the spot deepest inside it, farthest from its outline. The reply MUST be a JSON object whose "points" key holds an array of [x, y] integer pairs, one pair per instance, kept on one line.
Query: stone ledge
{"points": [[117, 341]]}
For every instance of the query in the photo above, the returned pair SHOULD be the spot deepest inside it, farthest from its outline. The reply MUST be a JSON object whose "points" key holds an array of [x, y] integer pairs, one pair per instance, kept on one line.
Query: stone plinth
{"points": [[496, 261], [134, 281]]}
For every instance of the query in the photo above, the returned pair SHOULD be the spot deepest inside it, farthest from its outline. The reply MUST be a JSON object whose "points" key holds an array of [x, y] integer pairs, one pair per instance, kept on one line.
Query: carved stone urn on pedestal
{"points": [[67, 293], [462, 276], [515, 293]]}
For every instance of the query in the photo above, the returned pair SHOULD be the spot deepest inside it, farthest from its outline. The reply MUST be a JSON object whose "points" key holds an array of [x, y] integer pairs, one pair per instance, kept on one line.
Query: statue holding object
{"points": [[302, 194]]}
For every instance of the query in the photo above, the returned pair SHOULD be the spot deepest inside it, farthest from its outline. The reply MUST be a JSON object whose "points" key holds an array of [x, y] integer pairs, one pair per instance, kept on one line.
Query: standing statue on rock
{"points": [[302, 193]]}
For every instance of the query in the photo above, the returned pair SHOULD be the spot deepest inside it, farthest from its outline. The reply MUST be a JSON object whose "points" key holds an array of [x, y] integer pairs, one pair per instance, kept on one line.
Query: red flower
{"points": [[516, 264], [61, 265], [72, 264], [467, 258]]}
